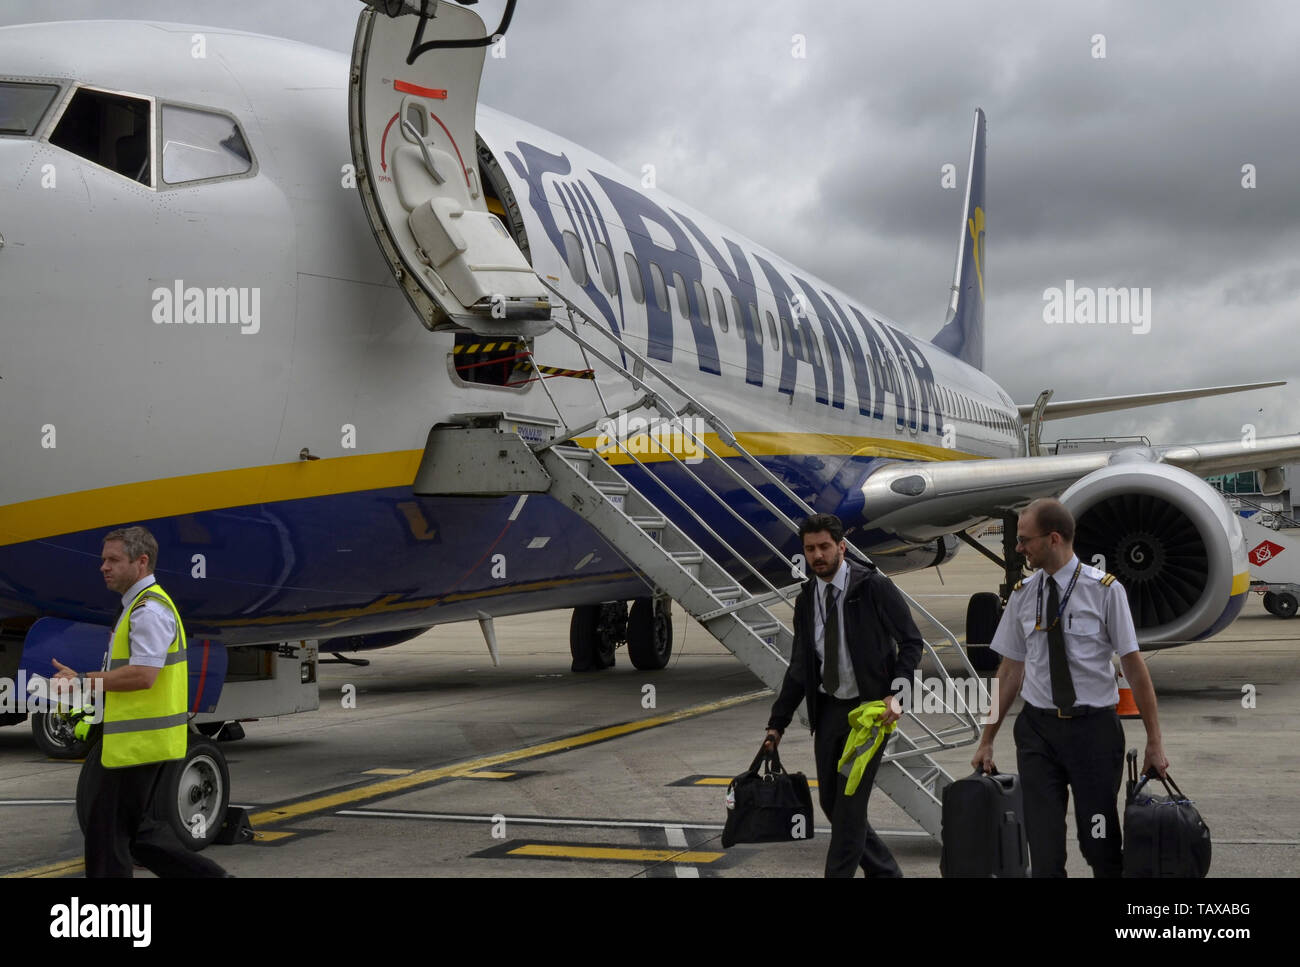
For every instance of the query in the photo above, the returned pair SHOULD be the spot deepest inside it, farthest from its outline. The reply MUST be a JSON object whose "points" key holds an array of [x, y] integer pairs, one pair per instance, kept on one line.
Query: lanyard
{"points": [[1038, 615]]}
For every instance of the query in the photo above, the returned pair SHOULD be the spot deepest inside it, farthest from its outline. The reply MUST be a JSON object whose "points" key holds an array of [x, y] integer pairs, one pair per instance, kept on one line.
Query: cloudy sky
{"points": [[1121, 170]]}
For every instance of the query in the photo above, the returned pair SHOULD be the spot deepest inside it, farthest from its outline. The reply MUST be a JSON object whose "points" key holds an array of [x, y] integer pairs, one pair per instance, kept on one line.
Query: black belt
{"points": [[1077, 712]]}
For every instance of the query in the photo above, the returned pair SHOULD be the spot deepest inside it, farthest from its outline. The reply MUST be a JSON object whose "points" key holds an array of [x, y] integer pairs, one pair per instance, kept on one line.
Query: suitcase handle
{"points": [[1167, 781], [1003, 779]]}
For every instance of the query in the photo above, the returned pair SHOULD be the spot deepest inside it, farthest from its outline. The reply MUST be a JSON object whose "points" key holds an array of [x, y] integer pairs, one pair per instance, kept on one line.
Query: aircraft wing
{"points": [[1064, 409], [923, 501]]}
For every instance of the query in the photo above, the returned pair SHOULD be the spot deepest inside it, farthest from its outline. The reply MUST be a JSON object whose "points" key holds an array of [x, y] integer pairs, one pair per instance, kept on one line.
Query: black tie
{"points": [[831, 644], [1062, 684]]}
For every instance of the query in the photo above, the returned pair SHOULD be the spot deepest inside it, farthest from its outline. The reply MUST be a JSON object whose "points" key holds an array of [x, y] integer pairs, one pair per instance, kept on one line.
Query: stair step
{"points": [[765, 630], [688, 557], [574, 453], [650, 523], [611, 488]]}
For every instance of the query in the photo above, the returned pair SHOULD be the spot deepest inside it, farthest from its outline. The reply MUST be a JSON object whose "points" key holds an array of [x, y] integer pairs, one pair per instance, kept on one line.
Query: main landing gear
{"points": [[596, 631], [984, 610]]}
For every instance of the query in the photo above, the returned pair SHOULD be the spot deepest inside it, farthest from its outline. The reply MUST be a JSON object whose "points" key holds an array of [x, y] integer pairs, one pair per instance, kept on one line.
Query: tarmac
{"points": [[431, 762]]}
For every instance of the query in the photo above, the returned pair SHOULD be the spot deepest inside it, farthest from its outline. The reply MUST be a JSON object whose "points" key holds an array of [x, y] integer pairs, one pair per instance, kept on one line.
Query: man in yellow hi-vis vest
{"points": [[145, 720]]}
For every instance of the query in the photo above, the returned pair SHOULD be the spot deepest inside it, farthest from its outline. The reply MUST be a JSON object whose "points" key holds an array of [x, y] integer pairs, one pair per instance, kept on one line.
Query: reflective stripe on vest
{"points": [[149, 724]]}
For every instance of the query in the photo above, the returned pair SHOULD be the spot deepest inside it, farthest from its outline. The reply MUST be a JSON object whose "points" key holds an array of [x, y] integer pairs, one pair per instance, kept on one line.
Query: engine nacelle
{"points": [[1173, 543]]}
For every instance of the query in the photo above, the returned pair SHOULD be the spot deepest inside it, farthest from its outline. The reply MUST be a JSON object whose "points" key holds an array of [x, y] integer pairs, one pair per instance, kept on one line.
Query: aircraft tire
{"points": [[200, 770], [53, 735], [983, 612], [193, 793], [591, 644], [1285, 606], [650, 634], [1270, 602]]}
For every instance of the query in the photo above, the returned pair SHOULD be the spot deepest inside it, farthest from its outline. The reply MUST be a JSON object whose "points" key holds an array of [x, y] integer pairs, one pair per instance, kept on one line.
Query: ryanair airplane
{"points": [[315, 323]]}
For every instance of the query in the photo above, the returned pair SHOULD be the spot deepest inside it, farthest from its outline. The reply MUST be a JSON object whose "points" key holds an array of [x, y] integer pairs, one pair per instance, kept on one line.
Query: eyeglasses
{"points": [[1026, 538]]}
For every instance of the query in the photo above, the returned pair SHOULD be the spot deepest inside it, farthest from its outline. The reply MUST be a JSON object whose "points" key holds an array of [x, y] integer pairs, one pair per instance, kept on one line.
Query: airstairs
{"points": [[739, 604]]}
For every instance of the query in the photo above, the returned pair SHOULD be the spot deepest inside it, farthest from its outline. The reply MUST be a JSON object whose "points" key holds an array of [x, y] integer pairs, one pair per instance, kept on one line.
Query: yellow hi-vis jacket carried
{"points": [[150, 724], [864, 741]]}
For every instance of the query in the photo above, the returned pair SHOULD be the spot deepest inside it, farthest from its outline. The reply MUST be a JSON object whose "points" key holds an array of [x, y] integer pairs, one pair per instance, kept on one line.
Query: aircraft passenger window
{"points": [[703, 300], [634, 278], [573, 255], [758, 325], [657, 283], [198, 145], [720, 306], [683, 300], [771, 328], [817, 348], [23, 105], [788, 337], [109, 130], [605, 262]]}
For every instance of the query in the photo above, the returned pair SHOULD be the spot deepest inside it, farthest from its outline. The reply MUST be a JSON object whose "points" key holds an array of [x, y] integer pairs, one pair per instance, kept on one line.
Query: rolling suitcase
{"points": [[1164, 836], [984, 827]]}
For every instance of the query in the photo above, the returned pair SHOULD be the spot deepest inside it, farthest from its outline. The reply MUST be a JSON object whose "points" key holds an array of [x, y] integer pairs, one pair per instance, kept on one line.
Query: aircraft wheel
{"points": [[54, 736], [196, 787], [650, 633], [1270, 602], [594, 632], [983, 612], [1285, 606], [193, 793]]}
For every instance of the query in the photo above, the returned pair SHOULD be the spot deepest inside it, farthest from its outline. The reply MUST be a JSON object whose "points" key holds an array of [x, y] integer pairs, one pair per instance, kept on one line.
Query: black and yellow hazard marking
{"points": [[525, 366], [474, 349], [722, 781], [598, 853]]}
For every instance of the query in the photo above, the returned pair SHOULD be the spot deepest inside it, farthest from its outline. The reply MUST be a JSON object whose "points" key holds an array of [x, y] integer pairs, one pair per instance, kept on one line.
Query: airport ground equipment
{"points": [[739, 604], [1274, 567]]}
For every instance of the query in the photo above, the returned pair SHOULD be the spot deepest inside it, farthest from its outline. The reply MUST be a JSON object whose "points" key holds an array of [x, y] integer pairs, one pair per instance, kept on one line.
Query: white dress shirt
{"points": [[848, 681], [152, 630], [1096, 622]]}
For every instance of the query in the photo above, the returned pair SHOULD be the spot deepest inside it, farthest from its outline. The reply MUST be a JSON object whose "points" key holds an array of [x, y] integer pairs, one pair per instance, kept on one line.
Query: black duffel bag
{"points": [[772, 807], [1164, 836]]}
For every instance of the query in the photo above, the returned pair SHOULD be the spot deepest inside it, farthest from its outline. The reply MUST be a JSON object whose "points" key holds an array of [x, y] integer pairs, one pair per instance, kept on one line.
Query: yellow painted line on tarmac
{"points": [[388, 772], [50, 872], [270, 835], [618, 854], [486, 775], [422, 777], [724, 781]]}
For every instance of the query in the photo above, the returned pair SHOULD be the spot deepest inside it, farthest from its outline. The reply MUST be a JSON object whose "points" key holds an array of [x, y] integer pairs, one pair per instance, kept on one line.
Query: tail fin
{"points": [[963, 332]]}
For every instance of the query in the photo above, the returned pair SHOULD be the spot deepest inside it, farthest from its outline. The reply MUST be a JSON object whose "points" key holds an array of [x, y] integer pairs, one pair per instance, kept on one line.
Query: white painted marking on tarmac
{"points": [[38, 802], [545, 821], [676, 837], [519, 505]]}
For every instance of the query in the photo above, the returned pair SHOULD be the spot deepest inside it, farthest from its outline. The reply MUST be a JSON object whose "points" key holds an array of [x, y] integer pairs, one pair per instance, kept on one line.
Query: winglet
{"points": [[963, 332]]}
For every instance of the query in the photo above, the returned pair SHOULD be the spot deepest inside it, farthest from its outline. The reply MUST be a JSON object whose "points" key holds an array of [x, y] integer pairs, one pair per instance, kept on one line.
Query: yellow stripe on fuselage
{"points": [[106, 507], [176, 496]]}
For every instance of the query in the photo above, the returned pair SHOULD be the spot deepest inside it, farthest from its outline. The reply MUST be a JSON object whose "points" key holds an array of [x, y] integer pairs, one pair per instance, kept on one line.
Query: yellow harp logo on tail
{"points": [[976, 228]]}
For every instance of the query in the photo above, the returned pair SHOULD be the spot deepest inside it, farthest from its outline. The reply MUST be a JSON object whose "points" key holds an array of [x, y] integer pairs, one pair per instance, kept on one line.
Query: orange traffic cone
{"points": [[1127, 708]]}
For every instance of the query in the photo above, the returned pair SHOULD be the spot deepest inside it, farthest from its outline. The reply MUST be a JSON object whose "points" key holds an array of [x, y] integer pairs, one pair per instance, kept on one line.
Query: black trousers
{"points": [[120, 830], [1087, 755], [853, 842]]}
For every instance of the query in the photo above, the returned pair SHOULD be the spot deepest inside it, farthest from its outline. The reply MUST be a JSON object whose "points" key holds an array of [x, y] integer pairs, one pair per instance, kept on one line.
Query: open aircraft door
{"points": [[413, 95]]}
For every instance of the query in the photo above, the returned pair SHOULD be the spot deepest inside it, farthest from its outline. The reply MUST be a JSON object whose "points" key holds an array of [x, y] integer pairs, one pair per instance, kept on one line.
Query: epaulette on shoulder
{"points": [[1108, 580], [1019, 584]]}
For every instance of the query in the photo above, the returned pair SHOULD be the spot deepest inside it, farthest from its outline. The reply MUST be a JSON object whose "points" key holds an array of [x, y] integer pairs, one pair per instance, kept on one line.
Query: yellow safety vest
{"points": [[864, 741], [151, 724]]}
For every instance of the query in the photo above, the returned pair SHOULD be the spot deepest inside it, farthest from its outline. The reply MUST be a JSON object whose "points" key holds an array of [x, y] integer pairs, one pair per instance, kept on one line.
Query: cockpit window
{"points": [[198, 145], [23, 105], [111, 130]]}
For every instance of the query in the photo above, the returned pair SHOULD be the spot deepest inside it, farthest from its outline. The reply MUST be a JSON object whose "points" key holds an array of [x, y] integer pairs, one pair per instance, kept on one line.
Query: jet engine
{"points": [[1171, 540]]}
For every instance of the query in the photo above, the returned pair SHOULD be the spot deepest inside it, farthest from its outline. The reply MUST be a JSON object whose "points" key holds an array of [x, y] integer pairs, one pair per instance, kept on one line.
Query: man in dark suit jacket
{"points": [[861, 608]]}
